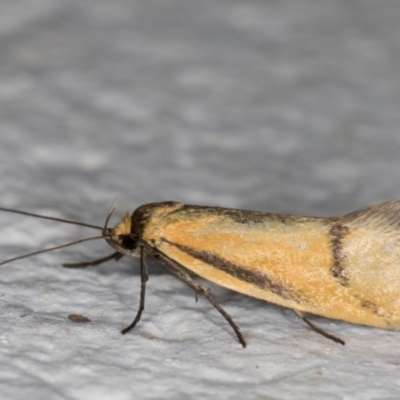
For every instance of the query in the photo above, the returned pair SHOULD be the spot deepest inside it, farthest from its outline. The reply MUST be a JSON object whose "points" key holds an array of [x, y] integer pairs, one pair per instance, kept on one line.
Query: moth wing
{"points": [[371, 262]]}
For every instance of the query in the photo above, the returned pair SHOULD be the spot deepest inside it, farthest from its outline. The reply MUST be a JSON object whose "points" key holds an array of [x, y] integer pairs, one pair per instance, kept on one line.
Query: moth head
{"points": [[123, 238]]}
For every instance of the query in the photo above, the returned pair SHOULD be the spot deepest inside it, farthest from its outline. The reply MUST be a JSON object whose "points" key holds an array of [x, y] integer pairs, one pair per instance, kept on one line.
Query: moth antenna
{"points": [[50, 249], [66, 221]]}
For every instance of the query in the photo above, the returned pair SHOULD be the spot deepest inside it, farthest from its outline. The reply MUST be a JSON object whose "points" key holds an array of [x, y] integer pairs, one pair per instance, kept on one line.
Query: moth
{"points": [[345, 268]]}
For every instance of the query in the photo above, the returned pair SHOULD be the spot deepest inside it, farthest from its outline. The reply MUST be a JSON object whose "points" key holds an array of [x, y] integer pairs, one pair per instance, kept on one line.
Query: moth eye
{"points": [[128, 242]]}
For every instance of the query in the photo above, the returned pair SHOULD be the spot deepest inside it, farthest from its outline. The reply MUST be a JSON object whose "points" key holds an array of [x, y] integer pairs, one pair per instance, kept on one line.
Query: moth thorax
{"points": [[124, 226]]}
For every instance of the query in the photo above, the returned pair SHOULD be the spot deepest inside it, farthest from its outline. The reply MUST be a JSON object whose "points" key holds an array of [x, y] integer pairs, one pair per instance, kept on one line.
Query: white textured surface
{"points": [[288, 106]]}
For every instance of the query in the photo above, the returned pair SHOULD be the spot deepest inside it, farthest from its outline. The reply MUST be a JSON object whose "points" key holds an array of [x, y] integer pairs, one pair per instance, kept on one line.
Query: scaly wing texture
{"points": [[335, 267]]}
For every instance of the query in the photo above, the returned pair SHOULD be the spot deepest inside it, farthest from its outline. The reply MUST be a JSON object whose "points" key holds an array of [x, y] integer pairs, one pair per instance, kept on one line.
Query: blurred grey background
{"points": [[275, 105], [286, 106]]}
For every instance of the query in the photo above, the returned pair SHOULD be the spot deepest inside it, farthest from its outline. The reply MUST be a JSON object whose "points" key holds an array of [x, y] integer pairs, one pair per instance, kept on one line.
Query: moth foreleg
{"points": [[144, 278], [116, 256]]}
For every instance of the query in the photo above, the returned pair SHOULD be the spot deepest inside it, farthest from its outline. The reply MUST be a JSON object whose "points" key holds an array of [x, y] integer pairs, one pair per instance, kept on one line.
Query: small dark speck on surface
{"points": [[78, 318]]}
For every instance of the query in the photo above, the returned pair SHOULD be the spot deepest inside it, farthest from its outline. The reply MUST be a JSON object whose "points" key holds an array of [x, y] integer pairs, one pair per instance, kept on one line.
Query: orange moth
{"points": [[346, 268]]}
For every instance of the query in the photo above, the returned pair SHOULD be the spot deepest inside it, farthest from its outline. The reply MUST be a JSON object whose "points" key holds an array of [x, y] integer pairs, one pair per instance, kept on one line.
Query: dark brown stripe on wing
{"points": [[256, 278], [379, 311], [338, 271]]}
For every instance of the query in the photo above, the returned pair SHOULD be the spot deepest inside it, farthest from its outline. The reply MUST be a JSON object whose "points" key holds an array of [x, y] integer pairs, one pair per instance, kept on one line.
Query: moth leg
{"points": [[180, 273], [116, 256], [144, 278], [317, 329]]}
